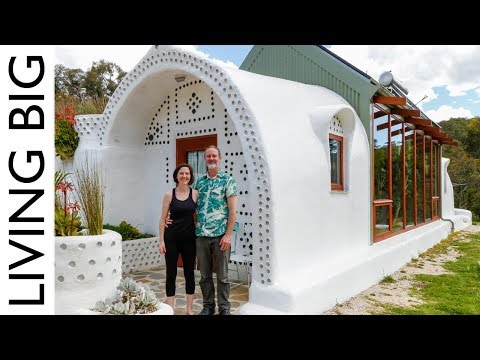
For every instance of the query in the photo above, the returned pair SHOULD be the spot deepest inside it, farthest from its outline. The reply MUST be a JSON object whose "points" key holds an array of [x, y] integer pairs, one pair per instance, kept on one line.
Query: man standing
{"points": [[216, 216]]}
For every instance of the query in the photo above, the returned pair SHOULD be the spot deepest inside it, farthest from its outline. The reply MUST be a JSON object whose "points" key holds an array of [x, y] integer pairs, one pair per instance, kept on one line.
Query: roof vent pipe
{"points": [[387, 79]]}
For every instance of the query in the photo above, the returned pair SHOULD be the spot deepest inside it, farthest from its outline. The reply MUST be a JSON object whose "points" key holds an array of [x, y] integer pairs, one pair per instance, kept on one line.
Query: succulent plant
{"points": [[131, 298]]}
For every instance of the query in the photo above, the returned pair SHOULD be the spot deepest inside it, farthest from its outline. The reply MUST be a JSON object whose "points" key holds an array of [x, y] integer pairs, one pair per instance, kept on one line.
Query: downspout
{"points": [[453, 225]]}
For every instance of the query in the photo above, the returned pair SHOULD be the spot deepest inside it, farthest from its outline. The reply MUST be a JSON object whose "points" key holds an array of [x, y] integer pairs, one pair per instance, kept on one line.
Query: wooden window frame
{"points": [[436, 198], [341, 185], [424, 174], [409, 127], [197, 143], [377, 112], [430, 195], [381, 203]]}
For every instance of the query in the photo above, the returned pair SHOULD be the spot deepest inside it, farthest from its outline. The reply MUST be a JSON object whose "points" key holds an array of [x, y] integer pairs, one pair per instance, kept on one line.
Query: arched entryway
{"points": [[150, 110]]}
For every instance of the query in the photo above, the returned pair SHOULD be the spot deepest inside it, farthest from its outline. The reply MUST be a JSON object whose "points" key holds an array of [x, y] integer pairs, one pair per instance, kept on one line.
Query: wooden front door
{"points": [[191, 151]]}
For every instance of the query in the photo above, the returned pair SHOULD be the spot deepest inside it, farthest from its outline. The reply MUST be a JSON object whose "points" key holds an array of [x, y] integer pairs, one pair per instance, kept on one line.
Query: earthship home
{"points": [[340, 178]]}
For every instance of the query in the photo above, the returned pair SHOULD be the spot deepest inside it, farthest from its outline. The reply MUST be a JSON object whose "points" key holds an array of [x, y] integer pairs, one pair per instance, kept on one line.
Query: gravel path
{"points": [[396, 293]]}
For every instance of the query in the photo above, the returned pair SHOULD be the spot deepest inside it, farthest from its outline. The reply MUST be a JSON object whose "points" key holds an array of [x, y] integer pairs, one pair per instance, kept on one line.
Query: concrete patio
{"points": [[155, 278]]}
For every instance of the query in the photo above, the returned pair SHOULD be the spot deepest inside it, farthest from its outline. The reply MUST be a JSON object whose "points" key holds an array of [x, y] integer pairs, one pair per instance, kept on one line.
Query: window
{"points": [[336, 162], [336, 154], [405, 172], [191, 151], [197, 160]]}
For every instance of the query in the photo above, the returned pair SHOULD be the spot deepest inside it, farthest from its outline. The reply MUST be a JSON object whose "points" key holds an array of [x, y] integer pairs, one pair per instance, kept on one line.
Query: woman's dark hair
{"points": [[177, 169]]}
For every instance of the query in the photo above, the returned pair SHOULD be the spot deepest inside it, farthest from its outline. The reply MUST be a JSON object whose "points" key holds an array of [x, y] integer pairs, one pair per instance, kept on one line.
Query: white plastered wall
{"points": [[135, 139], [310, 246], [461, 218]]}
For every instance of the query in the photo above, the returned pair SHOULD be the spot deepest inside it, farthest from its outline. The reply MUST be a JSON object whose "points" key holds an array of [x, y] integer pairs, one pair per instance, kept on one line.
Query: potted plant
{"points": [[88, 263], [131, 298]]}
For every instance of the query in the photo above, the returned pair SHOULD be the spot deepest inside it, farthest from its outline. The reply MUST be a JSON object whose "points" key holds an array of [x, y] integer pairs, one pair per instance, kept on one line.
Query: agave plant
{"points": [[131, 298]]}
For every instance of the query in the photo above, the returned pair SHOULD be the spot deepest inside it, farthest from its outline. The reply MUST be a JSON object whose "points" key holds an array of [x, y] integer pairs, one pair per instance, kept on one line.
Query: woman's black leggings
{"points": [[184, 244]]}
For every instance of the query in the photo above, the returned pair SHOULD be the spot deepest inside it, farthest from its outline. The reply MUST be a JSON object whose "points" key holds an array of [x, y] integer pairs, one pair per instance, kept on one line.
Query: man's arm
{"points": [[226, 240]]}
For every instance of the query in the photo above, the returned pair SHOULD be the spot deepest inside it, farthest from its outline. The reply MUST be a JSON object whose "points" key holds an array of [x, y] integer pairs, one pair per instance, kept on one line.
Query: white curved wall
{"points": [[268, 123], [460, 217], [139, 148], [87, 269], [447, 191], [141, 254], [310, 246], [315, 228]]}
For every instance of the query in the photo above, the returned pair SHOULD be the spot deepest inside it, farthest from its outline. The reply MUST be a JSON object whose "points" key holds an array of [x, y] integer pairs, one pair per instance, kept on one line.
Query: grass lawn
{"points": [[449, 294]]}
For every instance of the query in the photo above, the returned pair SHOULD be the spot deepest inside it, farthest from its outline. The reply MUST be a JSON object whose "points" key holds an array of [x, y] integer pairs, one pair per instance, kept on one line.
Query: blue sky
{"points": [[449, 75]]}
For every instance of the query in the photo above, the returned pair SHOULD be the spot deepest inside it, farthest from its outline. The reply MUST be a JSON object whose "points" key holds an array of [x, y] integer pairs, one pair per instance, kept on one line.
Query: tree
{"points": [[68, 82], [464, 165], [102, 79], [86, 92], [473, 138], [456, 128]]}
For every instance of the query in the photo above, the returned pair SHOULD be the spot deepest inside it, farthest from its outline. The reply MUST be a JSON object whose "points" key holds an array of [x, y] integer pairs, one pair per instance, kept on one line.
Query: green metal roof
{"points": [[315, 65]]}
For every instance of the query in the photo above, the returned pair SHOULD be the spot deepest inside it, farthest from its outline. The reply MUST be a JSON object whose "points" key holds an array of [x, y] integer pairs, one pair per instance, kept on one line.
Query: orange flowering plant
{"points": [[66, 137]]}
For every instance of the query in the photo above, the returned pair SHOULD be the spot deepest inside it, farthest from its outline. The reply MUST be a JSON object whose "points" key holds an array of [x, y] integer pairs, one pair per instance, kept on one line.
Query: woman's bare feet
{"points": [[171, 301], [190, 304]]}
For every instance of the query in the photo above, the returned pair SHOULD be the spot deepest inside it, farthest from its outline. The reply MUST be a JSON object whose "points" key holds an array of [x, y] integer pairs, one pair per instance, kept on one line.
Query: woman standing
{"points": [[179, 237]]}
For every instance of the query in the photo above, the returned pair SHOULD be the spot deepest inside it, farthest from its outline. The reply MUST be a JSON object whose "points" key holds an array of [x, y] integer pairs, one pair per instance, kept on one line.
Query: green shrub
{"points": [[387, 280], [127, 231]]}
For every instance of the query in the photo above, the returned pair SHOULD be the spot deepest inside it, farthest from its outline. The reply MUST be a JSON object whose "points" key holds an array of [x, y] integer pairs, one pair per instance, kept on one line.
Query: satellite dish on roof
{"points": [[387, 80]]}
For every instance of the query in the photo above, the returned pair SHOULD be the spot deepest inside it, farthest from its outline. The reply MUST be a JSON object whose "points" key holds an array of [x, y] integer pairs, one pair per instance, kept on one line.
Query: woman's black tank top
{"points": [[181, 213]]}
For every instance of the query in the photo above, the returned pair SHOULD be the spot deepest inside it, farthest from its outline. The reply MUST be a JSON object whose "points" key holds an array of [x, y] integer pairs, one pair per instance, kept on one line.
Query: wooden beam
{"points": [[418, 121], [378, 114], [429, 129], [384, 126], [440, 136], [390, 100], [450, 142], [382, 202], [417, 118], [406, 112], [396, 132]]}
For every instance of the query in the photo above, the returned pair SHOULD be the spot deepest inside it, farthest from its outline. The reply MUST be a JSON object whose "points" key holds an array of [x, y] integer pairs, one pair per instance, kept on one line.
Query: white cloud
{"points": [[82, 56], [194, 50], [419, 67], [446, 112], [477, 90]]}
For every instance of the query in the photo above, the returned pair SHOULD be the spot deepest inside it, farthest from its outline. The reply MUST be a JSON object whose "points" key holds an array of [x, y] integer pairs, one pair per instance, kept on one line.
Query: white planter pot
{"points": [[87, 269], [163, 309], [141, 254]]}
